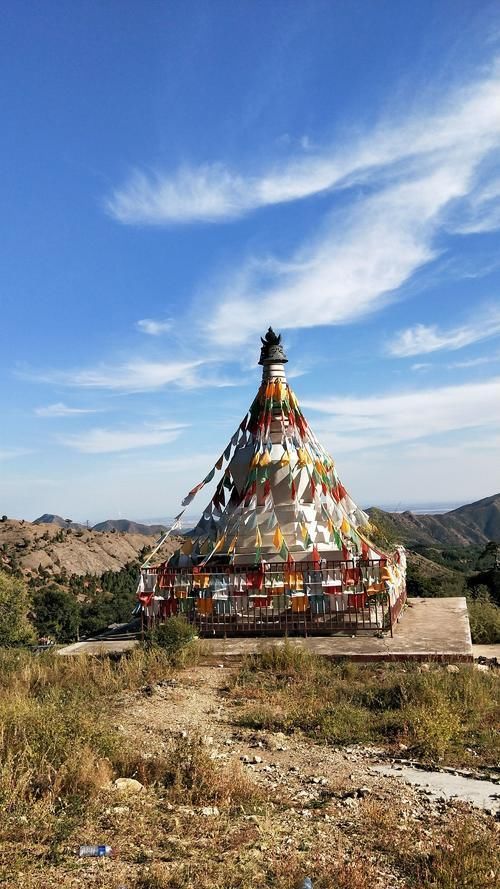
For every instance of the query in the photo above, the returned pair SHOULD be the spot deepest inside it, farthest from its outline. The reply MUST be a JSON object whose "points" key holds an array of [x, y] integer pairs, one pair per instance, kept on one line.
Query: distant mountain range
{"points": [[125, 525], [474, 523]]}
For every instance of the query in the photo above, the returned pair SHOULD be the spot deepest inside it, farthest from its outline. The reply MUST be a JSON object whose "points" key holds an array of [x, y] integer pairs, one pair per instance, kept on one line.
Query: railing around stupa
{"points": [[301, 598]]}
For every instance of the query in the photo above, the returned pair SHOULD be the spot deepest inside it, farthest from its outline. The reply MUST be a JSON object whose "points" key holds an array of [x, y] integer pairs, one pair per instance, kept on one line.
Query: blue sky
{"points": [[178, 176]]}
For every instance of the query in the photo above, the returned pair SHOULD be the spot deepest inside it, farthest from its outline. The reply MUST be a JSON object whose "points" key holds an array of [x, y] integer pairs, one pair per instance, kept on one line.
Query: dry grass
{"points": [[440, 716], [59, 749]]}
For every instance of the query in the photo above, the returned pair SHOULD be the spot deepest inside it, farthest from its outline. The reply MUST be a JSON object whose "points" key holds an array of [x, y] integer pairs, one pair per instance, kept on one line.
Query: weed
{"points": [[439, 715]]}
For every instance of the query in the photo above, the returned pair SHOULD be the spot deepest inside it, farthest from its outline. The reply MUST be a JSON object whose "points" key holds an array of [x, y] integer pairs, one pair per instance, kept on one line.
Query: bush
{"points": [[15, 629], [56, 613], [172, 635], [484, 619]]}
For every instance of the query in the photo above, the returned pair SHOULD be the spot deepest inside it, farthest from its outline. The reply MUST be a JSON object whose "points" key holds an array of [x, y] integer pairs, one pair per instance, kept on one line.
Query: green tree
{"points": [[15, 628], [56, 613]]}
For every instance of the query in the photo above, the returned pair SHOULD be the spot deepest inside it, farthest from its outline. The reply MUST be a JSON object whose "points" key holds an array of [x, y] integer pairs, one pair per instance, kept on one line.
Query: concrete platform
{"points": [[99, 646], [429, 629]]}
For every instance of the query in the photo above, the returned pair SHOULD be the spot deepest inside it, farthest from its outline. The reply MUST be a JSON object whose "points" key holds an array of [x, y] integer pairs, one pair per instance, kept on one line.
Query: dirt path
{"points": [[195, 704]]}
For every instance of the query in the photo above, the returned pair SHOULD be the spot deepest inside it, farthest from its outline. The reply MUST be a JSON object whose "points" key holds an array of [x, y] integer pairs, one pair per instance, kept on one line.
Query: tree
{"points": [[56, 613], [15, 628]]}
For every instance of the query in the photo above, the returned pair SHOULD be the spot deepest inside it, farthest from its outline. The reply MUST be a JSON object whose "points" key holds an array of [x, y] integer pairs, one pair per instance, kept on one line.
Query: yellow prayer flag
{"points": [[278, 538], [345, 526]]}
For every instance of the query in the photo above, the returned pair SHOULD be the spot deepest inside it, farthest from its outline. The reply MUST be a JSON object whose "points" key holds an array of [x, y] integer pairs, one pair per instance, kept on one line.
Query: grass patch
{"points": [[440, 716]]}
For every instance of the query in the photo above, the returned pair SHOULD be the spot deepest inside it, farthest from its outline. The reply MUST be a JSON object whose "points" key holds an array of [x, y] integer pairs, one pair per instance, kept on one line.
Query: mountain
{"points": [[474, 523], [49, 519], [31, 546], [130, 527]]}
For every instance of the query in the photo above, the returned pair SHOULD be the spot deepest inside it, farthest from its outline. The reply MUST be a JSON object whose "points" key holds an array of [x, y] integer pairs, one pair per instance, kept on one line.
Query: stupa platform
{"points": [[430, 630]]}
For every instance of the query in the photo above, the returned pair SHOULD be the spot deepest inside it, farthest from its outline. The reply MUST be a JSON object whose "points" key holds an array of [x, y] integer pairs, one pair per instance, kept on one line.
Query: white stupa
{"points": [[279, 496]]}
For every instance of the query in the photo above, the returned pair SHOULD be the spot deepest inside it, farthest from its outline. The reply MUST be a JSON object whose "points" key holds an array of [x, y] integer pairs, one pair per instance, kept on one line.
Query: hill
{"points": [[130, 527], [49, 518], [475, 523], [31, 546]]}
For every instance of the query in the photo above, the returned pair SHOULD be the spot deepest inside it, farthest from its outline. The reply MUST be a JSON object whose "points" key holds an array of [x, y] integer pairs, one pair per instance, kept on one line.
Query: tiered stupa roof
{"points": [[279, 496]]}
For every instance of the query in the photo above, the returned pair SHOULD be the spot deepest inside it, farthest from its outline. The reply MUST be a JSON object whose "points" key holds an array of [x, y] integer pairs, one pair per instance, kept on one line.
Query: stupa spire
{"points": [[272, 356]]}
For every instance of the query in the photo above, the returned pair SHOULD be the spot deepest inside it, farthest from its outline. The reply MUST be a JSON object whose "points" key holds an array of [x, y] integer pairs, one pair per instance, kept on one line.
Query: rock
{"points": [[209, 811], [257, 759], [452, 668], [128, 785], [403, 746], [425, 667], [119, 810], [245, 759], [208, 740], [482, 667], [362, 792]]}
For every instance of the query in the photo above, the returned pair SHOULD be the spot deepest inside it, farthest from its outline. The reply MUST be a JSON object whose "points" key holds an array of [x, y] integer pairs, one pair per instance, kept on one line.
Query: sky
{"points": [[179, 176]]}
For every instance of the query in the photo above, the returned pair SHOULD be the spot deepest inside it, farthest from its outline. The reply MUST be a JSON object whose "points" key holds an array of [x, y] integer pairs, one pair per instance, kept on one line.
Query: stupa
{"points": [[281, 547]]}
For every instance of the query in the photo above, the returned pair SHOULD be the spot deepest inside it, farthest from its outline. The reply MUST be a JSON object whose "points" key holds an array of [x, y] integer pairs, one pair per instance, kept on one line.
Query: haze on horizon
{"points": [[178, 180]]}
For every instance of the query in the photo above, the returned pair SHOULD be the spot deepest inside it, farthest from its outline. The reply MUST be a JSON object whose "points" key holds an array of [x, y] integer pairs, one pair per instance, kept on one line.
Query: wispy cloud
{"points": [[381, 420], [482, 211], [131, 376], [214, 193], [418, 173], [62, 410], [152, 327], [355, 266], [474, 362], [12, 453], [106, 441], [423, 339]]}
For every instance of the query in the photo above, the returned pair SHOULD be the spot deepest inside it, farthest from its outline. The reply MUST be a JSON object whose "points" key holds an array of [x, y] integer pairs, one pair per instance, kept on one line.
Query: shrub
{"points": [[484, 619], [56, 613], [15, 628], [172, 635]]}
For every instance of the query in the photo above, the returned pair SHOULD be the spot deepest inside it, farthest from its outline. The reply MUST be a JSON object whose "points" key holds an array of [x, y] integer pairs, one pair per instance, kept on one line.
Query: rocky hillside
{"points": [[30, 545], [475, 523]]}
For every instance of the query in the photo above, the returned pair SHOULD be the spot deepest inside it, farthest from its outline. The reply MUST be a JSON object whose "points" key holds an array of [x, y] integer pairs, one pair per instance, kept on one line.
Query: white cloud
{"points": [[422, 338], [106, 441], [353, 268], [62, 410], [12, 453], [383, 420], [152, 327], [424, 365], [132, 376], [474, 362], [482, 211], [214, 193]]}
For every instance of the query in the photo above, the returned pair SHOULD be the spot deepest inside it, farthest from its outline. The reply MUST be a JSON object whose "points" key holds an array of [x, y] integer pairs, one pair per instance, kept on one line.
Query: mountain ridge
{"points": [[472, 523]]}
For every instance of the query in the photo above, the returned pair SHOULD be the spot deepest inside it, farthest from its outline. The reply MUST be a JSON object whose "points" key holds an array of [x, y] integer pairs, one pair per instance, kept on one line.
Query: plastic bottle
{"points": [[95, 851]]}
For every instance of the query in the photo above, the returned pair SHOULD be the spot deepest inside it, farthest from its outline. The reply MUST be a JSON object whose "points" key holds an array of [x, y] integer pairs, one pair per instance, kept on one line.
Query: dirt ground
{"points": [[329, 812]]}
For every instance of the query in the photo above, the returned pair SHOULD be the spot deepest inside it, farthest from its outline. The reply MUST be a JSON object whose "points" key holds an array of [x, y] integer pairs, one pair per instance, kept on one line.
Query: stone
{"points": [[257, 759], [209, 811], [452, 668], [128, 785]]}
